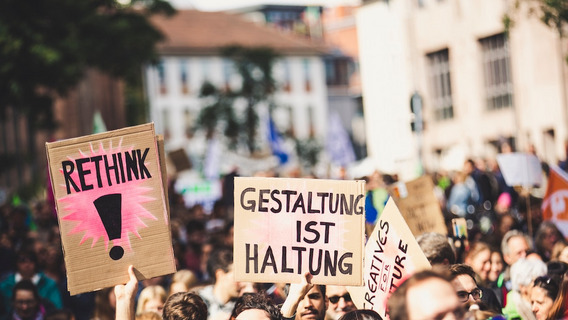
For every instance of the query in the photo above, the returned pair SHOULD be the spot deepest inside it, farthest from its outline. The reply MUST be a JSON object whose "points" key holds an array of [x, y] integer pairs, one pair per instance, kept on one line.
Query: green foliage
{"points": [[45, 46], [254, 65], [308, 151]]}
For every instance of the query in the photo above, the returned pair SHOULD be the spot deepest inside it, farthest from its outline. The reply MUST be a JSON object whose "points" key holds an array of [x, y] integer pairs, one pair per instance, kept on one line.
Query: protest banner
{"points": [[419, 206], [392, 255], [109, 186], [285, 227], [520, 169], [554, 203]]}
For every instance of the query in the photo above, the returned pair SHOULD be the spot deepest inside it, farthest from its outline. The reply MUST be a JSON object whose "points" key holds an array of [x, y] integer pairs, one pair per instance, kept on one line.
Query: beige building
{"points": [[479, 86]]}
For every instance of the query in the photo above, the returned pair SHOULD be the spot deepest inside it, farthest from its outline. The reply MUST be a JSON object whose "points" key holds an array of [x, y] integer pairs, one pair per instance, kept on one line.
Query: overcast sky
{"points": [[216, 5]]}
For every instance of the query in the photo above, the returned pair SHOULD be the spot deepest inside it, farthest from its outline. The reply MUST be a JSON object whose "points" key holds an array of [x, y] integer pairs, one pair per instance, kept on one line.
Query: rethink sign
{"points": [[286, 227], [111, 207]]}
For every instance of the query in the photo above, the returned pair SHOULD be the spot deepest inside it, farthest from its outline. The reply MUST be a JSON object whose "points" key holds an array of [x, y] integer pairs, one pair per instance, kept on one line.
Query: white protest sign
{"points": [[285, 227], [520, 169], [392, 255]]}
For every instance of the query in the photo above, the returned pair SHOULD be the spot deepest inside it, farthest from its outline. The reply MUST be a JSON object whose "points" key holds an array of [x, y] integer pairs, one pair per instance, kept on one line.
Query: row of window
{"points": [[497, 77], [228, 74]]}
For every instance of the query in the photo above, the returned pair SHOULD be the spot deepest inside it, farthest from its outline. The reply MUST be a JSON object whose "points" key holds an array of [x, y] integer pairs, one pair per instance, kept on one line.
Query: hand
{"points": [[125, 294], [297, 292]]}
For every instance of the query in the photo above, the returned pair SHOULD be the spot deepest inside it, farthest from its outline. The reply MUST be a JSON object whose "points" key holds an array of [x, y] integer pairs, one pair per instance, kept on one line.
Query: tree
{"points": [[553, 13], [45, 46], [254, 65]]}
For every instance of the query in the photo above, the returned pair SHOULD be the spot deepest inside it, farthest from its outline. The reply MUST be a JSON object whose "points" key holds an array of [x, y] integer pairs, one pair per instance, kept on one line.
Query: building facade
{"points": [[479, 85]]}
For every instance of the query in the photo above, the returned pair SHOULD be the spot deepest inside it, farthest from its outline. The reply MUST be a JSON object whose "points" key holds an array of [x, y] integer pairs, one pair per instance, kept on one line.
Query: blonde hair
{"points": [[149, 315], [186, 277], [147, 294]]}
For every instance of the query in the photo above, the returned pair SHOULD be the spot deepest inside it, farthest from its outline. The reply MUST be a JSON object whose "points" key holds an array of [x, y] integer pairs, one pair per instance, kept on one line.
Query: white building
{"points": [[190, 56], [479, 86]]}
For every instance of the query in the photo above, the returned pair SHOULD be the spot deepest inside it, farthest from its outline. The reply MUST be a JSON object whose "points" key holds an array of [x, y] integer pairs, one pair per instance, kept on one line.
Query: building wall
{"points": [[174, 111], [458, 25]]}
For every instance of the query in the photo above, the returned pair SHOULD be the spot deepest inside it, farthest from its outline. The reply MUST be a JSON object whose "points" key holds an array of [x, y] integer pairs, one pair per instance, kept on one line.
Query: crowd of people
{"points": [[511, 264]]}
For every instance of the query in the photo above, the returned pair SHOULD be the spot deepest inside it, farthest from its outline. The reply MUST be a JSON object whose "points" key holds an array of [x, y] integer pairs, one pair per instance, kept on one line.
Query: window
{"points": [[227, 73], [184, 75], [496, 69], [441, 89], [307, 78], [162, 78]]}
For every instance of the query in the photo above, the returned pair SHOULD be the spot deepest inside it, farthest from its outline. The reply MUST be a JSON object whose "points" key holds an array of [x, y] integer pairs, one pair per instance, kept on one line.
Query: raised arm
{"points": [[125, 294], [297, 292]]}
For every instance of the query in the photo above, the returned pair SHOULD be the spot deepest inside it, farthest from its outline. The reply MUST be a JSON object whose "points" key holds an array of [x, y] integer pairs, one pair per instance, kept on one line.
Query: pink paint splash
{"points": [[84, 215]]}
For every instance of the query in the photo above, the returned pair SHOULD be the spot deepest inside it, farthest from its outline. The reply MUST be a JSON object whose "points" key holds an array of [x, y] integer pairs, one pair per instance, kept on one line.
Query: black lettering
{"points": [[298, 231], [345, 268], [318, 264], [299, 203], [369, 299], [285, 268], [68, 168], [109, 168], [310, 210], [330, 264], [360, 208], [273, 197], [131, 165], [142, 165], [309, 228], [402, 247], [300, 250], [251, 203], [331, 209], [327, 225], [269, 261], [96, 160], [323, 195], [254, 257], [82, 173], [262, 199], [346, 208], [121, 167]]}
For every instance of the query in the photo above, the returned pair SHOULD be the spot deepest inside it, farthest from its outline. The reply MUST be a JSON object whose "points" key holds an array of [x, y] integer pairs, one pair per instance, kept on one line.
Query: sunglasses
{"points": [[335, 299], [475, 294]]}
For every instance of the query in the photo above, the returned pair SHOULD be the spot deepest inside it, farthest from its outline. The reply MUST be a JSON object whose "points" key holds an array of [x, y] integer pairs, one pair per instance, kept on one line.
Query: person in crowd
{"points": [[255, 306], [305, 301], [479, 258], [220, 296], [560, 251], [27, 269], [361, 315], [148, 315], [471, 295], [544, 291], [425, 295], [105, 305], [26, 302], [185, 306], [514, 246], [462, 195], [437, 249], [152, 298], [523, 273], [339, 302], [182, 281], [497, 266], [547, 235]]}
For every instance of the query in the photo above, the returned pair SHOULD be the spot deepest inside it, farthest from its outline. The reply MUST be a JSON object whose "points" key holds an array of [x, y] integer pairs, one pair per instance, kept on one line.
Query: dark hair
{"points": [[26, 285], [220, 258], [397, 303], [363, 314], [462, 268], [258, 301], [549, 284], [185, 306]]}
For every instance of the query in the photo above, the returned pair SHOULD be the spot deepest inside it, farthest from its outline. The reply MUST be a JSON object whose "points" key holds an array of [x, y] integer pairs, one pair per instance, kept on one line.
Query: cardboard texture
{"points": [[392, 255], [419, 206], [520, 169], [111, 207], [180, 160], [285, 227]]}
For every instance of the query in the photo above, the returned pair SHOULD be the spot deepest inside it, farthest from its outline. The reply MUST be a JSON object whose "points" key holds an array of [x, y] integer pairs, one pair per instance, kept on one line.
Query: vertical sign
{"points": [[111, 207]]}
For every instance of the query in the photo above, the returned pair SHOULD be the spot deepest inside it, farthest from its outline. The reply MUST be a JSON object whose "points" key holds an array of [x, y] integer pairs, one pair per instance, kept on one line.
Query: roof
{"points": [[192, 32]]}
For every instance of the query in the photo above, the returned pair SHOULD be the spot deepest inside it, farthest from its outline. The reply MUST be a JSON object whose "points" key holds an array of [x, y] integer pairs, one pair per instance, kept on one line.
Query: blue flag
{"points": [[276, 143]]}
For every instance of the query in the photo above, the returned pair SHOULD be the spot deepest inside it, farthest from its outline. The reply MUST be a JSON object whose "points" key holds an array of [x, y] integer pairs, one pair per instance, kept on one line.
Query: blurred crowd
{"points": [[510, 265]]}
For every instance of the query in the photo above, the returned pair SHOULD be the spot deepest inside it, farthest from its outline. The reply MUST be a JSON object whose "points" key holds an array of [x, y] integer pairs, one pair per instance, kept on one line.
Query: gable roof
{"points": [[192, 32]]}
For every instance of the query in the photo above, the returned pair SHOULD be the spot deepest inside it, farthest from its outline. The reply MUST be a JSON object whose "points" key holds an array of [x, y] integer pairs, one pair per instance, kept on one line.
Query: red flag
{"points": [[554, 206]]}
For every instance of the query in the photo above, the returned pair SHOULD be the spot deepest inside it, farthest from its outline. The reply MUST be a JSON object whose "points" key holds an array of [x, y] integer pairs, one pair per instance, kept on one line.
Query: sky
{"points": [[216, 5]]}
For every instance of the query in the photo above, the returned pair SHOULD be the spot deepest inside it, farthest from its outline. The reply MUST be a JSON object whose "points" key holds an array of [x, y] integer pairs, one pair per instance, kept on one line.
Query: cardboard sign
{"points": [[419, 205], [520, 169], [111, 207], [285, 227], [392, 255]]}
